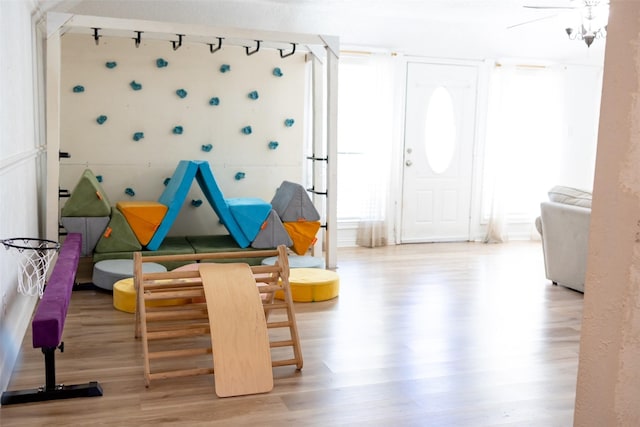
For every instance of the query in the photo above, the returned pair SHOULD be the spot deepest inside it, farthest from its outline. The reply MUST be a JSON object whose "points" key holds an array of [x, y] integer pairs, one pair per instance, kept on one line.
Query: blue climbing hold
{"points": [[277, 72], [289, 122], [129, 191], [138, 136], [135, 86], [196, 202], [273, 145], [166, 181], [239, 176], [214, 101], [253, 95], [181, 93], [224, 68], [178, 130], [206, 148], [101, 119], [111, 64], [161, 63], [247, 130], [78, 89]]}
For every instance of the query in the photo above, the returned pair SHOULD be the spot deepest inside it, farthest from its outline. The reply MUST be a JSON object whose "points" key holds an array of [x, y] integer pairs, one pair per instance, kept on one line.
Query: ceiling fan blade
{"points": [[553, 7], [531, 21]]}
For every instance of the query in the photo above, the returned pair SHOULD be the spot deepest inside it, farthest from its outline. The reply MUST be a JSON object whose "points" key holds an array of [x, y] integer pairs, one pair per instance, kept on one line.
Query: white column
{"points": [[53, 133]]}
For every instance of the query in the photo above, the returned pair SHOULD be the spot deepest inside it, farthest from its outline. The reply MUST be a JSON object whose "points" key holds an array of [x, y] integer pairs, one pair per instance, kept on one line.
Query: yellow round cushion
{"points": [[124, 297], [312, 284]]}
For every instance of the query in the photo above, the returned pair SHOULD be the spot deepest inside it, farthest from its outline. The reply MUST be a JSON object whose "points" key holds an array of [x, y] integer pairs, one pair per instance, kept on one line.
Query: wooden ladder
{"points": [[172, 318]]}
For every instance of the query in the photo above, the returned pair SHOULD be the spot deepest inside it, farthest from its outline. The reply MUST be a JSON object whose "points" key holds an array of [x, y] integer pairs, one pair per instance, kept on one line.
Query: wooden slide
{"points": [[241, 351]]}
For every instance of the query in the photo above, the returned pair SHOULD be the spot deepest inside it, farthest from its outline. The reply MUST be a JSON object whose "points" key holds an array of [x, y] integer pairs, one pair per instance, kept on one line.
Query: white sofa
{"points": [[564, 227]]}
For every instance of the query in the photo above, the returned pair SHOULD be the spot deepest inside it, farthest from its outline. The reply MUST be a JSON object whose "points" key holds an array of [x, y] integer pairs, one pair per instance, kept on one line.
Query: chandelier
{"points": [[591, 23]]}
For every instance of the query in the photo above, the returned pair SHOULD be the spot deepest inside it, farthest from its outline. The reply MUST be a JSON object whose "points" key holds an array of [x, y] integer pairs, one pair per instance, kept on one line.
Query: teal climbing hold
{"points": [[161, 63], [101, 119], [78, 89], [181, 93], [239, 176], [224, 68], [138, 136], [273, 145], [129, 191], [277, 72], [111, 64], [214, 101], [289, 122], [206, 148], [178, 130], [135, 86], [99, 178], [247, 130], [196, 202], [253, 95], [166, 181]]}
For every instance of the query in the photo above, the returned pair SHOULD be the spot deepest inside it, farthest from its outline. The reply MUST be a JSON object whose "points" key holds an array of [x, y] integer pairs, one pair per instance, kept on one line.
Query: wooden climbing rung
{"points": [[176, 339]]}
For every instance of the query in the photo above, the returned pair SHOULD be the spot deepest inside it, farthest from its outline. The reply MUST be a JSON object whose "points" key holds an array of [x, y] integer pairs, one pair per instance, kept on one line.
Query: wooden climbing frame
{"points": [[176, 338]]}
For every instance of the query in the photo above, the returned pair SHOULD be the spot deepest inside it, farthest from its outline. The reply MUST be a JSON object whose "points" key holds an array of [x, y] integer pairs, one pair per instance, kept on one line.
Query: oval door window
{"points": [[440, 130]]}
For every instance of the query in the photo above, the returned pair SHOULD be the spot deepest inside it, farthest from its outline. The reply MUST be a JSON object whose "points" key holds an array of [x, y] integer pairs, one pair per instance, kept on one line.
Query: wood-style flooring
{"points": [[447, 334]]}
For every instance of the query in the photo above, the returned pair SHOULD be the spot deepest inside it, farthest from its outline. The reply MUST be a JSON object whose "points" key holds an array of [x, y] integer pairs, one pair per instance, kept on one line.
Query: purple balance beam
{"points": [[47, 326]]}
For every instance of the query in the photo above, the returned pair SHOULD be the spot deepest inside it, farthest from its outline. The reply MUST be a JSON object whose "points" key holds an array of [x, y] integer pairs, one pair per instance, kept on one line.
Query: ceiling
{"points": [[476, 29]]}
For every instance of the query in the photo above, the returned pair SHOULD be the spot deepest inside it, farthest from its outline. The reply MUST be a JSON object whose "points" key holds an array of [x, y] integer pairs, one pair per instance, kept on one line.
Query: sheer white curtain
{"points": [[525, 136], [365, 109]]}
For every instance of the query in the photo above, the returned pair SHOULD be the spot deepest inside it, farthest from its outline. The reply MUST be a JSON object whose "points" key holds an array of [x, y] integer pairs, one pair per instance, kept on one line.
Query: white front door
{"points": [[438, 152]]}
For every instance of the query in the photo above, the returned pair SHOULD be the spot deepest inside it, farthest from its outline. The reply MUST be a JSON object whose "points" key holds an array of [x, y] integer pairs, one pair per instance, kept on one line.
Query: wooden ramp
{"points": [[241, 355], [176, 340]]}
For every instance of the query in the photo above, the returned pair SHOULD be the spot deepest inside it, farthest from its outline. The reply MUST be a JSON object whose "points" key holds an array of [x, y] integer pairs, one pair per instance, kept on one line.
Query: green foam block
{"points": [[87, 198], [118, 237]]}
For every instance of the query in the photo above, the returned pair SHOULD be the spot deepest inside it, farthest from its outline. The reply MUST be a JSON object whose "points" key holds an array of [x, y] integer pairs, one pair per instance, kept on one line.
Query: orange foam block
{"points": [[302, 233], [144, 218]]}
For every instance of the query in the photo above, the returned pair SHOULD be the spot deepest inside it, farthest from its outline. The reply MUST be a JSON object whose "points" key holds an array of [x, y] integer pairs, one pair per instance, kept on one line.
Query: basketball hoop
{"points": [[33, 258]]}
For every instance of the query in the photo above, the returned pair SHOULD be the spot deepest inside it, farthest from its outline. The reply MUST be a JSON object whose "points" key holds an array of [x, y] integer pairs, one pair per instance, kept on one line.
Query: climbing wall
{"points": [[130, 114]]}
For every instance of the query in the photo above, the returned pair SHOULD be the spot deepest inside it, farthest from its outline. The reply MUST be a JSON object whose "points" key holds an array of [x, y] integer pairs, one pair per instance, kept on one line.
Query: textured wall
{"points": [[250, 92], [608, 389]]}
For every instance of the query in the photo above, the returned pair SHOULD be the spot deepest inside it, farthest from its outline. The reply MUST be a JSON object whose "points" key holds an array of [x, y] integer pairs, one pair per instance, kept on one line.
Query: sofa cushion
{"points": [[570, 196]]}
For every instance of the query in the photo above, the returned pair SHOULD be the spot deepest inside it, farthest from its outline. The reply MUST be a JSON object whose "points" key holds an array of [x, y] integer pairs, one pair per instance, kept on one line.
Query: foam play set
{"points": [[115, 232]]}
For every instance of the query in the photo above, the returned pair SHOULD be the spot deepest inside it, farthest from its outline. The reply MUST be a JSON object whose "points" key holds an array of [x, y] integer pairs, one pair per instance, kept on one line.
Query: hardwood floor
{"points": [[462, 334]]}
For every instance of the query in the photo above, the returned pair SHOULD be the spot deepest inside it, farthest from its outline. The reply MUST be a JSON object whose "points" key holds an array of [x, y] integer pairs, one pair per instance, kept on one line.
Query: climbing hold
{"points": [[111, 64], [161, 63], [214, 101], [273, 145], [196, 203], [99, 178], [206, 148], [239, 176], [181, 93], [224, 68], [277, 72], [135, 86], [253, 95], [289, 122], [166, 181], [178, 130], [129, 192], [78, 89], [247, 130], [138, 136], [101, 119]]}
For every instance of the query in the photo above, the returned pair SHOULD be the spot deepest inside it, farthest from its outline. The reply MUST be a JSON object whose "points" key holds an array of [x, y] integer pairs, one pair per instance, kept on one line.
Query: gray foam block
{"points": [[292, 203], [272, 234], [91, 228]]}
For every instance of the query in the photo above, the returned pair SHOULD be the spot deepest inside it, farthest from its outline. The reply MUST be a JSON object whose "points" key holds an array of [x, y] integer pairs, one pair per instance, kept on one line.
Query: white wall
{"points": [[19, 161], [110, 151]]}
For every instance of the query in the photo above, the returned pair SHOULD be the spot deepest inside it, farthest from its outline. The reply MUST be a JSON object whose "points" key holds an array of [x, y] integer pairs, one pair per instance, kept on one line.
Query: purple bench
{"points": [[47, 326]]}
